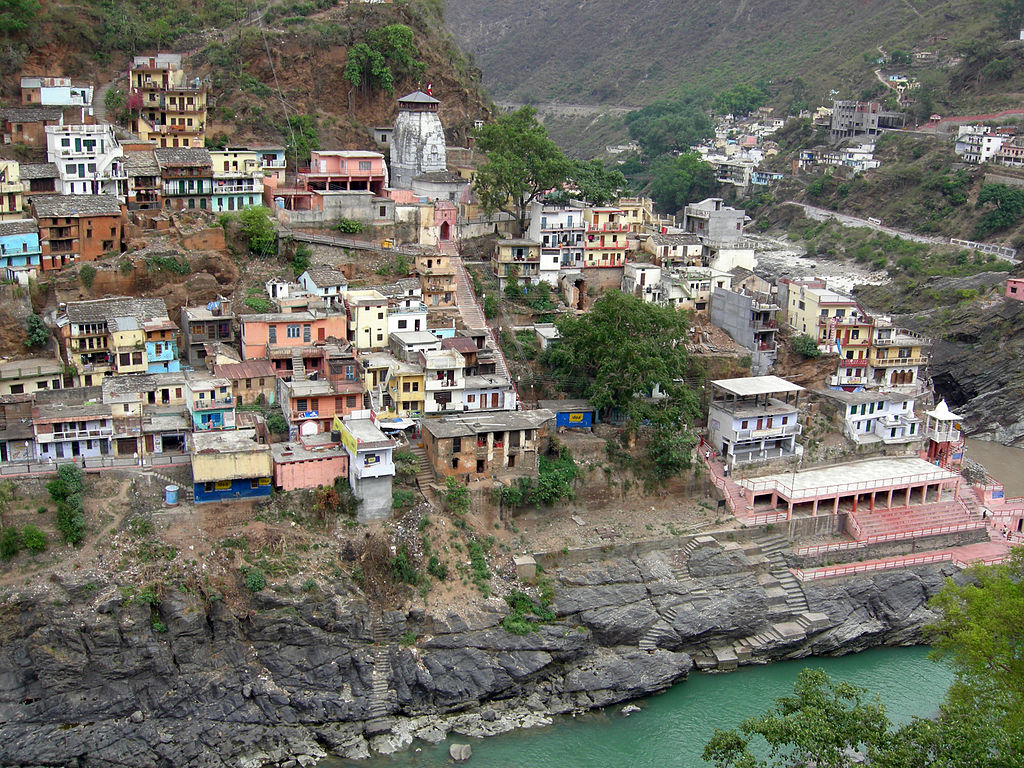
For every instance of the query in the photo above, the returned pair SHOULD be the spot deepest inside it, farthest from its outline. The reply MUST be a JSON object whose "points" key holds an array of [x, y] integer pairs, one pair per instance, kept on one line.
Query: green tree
{"points": [[1010, 15], [671, 126], [33, 539], [38, 335], [805, 346], [1005, 208], [455, 497], [259, 231], [679, 180], [300, 259], [740, 99], [17, 15], [522, 164], [372, 65], [819, 725], [302, 136], [596, 184], [367, 70], [277, 424]]}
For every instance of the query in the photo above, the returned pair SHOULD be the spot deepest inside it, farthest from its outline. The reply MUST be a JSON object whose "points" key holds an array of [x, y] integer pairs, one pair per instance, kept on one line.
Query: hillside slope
{"points": [[603, 51]]}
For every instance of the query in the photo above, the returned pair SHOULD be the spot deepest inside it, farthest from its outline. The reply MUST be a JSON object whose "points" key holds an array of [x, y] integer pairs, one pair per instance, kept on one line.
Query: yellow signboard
{"points": [[575, 418]]}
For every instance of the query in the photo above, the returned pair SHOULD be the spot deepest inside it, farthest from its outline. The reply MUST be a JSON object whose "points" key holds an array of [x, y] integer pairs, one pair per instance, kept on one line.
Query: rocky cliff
{"points": [[94, 677]]}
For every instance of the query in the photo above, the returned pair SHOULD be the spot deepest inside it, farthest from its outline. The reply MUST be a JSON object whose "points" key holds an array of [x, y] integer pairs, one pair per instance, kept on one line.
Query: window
{"points": [[272, 334], [302, 404], [406, 386], [457, 444], [402, 324], [470, 398], [254, 483], [293, 331], [743, 424], [364, 165], [17, 389]]}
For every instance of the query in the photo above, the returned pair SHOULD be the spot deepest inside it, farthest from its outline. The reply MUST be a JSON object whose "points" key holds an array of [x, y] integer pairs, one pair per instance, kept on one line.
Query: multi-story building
{"points": [[327, 283], [871, 417], [691, 288], [104, 337], [345, 171], [55, 92], [642, 280], [605, 243], [291, 332], [520, 262], [896, 358], [371, 465], [438, 280], [272, 161], [1011, 153], [407, 345], [755, 418], [713, 220], [12, 189], [809, 308], [89, 160], [69, 430], [17, 437], [750, 318], [977, 143], [445, 374], [252, 381], [18, 377], [204, 325], [406, 310], [145, 185], [172, 107], [367, 319], [853, 119], [210, 402], [680, 248], [638, 212], [19, 250], [187, 176], [230, 465], [237, 179], [560, 231], [488, 392], [406, 388], [309, 407], [474, 447], [77, 227]]}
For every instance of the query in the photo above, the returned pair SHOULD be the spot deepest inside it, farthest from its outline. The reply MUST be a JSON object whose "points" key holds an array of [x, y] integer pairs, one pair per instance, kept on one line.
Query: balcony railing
{"points": [[860, 363], [617, 228], [213, 403], [901, 340], [890, 362], [943, 435], [784, 430], [81, 434]]}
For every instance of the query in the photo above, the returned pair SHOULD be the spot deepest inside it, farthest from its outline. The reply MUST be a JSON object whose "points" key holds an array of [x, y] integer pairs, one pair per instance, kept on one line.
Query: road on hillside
{"points": [[823, 214], [563, 109]]}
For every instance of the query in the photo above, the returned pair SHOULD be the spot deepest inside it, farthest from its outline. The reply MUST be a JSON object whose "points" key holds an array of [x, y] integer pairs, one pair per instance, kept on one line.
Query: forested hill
{"points": [[610, 52]]}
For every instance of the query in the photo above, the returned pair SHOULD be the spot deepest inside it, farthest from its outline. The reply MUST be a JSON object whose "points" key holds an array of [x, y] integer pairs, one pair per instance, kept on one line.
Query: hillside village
{"points": [[315, 400]]}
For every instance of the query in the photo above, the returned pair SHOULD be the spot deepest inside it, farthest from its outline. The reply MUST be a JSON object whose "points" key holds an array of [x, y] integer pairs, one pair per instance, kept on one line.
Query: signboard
{"points": [[308, 414], [347, 438], [575, 418], [372, 458]]}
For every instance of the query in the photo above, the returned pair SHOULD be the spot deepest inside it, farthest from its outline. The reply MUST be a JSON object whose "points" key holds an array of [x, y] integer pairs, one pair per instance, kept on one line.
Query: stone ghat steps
{"points": [[795, 598], [882, 522], [424, 473], [659, 631], [984, 552]]}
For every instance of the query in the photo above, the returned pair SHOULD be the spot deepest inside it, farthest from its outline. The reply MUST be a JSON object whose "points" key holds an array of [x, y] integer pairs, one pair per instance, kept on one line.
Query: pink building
{"points": [[345, 171], [444, 219], [1015, 288], [310, 461], [263, 332]]}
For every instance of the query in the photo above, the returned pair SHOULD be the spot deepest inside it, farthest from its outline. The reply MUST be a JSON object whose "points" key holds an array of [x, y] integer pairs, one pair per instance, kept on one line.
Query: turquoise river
{"points": [[671, 728]]}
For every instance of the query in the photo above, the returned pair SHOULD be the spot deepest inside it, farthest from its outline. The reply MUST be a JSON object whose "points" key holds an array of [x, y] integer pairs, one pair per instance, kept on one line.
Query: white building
{"points": [[977, 144], [643, 281], [55, 92], [445, 385], [874, 417], [754, 418], [325, 282], [559, 229], [417, 143], [89, 160], [858, 157]]}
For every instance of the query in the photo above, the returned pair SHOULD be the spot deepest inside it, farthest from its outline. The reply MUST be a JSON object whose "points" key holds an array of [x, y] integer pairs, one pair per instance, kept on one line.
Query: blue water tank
{"points": [[171, 494]]}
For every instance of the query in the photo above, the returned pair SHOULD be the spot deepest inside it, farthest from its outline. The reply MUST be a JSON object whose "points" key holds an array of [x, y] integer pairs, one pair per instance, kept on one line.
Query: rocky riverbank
{"points": [[89, 676]]}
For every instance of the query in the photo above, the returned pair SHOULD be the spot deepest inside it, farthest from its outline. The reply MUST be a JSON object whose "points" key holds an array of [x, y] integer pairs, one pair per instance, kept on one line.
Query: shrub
{"points": [[159, 626], [276, 423], [490, 307], [259, 231], [437, 569], [455, 497], [33, 539], [805, 346], [409, 638], [255, 580], [86, 274], [10, 543], [38, 333], [349, 226], [402, 499], [403, 568], [300, 261]]}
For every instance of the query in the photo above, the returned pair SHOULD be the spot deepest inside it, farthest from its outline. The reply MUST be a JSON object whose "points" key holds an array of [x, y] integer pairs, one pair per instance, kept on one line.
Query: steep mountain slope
{"points": [[604, 51]]}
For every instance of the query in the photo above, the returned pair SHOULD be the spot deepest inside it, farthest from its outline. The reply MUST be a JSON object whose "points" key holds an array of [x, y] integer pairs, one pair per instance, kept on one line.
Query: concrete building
{"points": [[675, 249], [371, 466], [438, 280], [367, 319], [19, 250], [642, 280], [18, 377], [520, 262], [417, 143], [237, 179], [713, 220], [873, 418], [327, 283], [27, 125], [475, 445], [691, 287], [309, 407], [228, 466], [89, 160], [754, 419], [750, 318], [272, 160], [345, 171], [896, 358], [855, 119], [407, 345], [187, 176], [145, 185], [200, 326], [17, 436], [1014, 288], [291, 332], [406, 310], [105, 337], [210, 402], [77, 227], [560, 230], [978, 144], [308, 462], [72, 430], [252, 381], [445, 374], [172, 106], [12, 189], [55, 92], [606, 240]]}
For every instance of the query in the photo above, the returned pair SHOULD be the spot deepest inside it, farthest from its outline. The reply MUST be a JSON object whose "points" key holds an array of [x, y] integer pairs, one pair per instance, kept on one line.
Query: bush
{"points": [[257, 303], [403, 568], [300, 261], [455, 497], [10, 543], [277, 424], [349, 226], [402, 499], [66, 490], [259, 231], [86, 274], [490, 307], [33, 539], [38, 333], [805, 346], [437, 569], [255, 580]]}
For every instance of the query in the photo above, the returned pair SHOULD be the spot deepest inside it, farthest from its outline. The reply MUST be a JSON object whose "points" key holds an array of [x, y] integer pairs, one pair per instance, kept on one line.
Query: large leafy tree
{"points": [[17, 15], [679, 180], [596, 184], [670, 126], [522, 164], [387, 52]]}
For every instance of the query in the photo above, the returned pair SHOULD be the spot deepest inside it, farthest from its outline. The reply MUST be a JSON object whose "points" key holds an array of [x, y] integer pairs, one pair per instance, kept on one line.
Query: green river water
{"points": [[672, 728]]}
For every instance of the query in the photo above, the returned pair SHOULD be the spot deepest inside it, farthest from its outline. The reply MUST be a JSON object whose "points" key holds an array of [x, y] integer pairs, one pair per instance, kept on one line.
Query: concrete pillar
{"points": [[835, 506], [814, 509], [789, 510], [907, 502], [775, 499], [871, 502], [888, 502], [855, 496]]}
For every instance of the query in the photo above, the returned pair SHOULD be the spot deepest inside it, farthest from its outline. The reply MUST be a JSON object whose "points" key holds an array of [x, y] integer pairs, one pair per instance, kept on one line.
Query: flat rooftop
{"points": [[367, 434], [855, 477], [749, 386]]}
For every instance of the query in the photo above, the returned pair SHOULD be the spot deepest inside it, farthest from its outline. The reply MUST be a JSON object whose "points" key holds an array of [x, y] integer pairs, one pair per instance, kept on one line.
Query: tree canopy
{"points": [[596, 184], [670, 126], [522, 164], [679, 180], [741, 99], [387, 52], [259, 231]]}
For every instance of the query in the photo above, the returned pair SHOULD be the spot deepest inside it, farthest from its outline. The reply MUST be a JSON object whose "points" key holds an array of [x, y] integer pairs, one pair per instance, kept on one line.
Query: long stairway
{"points": [[660, 630], [424, 472], [380, 698], [796, 600], [473, 316]]}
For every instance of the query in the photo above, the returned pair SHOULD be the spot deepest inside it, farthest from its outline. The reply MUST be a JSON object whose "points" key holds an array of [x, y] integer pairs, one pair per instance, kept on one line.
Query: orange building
{"points": [[308, 462], [82, 227], [294, 330]]}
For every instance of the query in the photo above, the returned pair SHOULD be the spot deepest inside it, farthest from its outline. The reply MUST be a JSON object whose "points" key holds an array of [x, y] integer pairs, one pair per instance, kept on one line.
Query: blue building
{"points": [[19, 249], [210, 402], [571, 414], [227, 466], [161, 346]]}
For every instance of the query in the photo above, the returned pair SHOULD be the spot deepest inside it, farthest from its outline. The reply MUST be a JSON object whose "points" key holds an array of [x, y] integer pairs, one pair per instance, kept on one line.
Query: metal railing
{"points": [[879, 565], [860, 543], [769, 485]]}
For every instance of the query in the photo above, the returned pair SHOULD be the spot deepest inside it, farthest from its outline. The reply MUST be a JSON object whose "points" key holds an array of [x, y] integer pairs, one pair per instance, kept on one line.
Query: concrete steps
{"points": [[185, 492], [298, 368], [380, 688], [795, 598], [425, 472], [660, 630], [680, 567]]}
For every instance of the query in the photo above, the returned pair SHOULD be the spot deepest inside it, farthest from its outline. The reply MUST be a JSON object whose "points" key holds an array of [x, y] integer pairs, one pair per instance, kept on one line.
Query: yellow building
{"points": [[438, 279], [604, 244], [367, 319], [638, 213], [406, 387], [11, 190], [172, 106], [127, 345], [517, 260], [897, 357], [237, 179], [815, 310]]}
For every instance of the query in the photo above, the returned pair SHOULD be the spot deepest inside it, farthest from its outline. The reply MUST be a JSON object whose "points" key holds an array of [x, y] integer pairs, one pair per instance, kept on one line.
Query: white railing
{"points": [[878, 565], [844, 546], [768, 485]]}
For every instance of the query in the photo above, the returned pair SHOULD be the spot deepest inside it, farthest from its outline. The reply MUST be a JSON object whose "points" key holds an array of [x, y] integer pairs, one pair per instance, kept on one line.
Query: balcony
{"points": [[78, 434], [943, 434], [237, 189], [765, 325], [891, 362], [611, 227], [860, 363], [901, 340], [858, 320], [767, 433], [216, 403]]}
